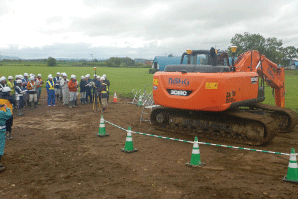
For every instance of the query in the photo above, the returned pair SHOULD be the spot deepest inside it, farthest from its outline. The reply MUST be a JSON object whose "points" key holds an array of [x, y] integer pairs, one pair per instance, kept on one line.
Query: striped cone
{"points": [[115, 100], [195, 160], [102, 128], [140, 102], [128, 148], [292, 174]]}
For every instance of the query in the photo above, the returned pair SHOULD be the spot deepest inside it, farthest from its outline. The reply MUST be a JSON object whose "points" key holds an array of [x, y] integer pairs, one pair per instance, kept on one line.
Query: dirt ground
{"points": [[55, 153]]}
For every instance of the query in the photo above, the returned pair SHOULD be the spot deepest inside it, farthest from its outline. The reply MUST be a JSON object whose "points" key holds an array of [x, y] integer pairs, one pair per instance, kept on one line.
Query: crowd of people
{"points": [[25, 91]]}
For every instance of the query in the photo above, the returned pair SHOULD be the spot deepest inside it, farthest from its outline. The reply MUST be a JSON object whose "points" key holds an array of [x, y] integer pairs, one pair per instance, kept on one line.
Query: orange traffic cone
{"points": [[115, 98]]}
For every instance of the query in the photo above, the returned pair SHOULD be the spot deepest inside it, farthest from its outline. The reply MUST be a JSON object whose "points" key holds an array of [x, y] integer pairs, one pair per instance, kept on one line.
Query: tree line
{"points": [[270, 47]]}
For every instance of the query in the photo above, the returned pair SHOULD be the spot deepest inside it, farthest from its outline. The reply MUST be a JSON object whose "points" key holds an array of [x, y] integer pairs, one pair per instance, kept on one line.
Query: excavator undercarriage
{"points": [[254, 125]]}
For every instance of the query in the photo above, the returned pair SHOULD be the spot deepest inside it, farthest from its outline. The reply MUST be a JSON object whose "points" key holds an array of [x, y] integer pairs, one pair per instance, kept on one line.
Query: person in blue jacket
{"points": [[4, 116], [50, 86]]}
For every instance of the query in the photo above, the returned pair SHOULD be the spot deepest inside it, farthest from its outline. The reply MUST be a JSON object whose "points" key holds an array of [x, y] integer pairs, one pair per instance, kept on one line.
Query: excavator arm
{"points": [[253, 61]]}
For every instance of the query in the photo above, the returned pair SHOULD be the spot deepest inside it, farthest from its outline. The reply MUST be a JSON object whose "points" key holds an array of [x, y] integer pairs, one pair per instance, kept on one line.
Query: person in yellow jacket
{"points": [[10, 84]]}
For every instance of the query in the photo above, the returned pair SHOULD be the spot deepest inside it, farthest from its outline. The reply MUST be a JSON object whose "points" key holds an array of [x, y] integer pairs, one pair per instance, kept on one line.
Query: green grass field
{"points": [[124, 80]]}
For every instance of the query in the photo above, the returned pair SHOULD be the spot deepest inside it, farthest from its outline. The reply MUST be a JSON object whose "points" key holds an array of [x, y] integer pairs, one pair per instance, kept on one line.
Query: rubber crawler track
{"points": [[227, 118], [292, 117]]}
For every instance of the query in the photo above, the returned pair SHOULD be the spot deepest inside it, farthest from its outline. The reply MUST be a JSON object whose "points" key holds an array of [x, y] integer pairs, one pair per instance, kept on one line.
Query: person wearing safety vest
{"points": [[50, 86], [107, 82], [104, 95], [5, 114], [32, 87], [58, 91], [10, 102], [19, 97], [10, 84], [73, 88], [98, 87]]}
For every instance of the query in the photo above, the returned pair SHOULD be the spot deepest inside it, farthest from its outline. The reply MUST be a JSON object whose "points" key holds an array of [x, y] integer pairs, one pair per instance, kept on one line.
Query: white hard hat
{"points": [[10, 77], [102, 78], [17, 76], [30, 74], [50, 76], [73, 77], [82, 77], [65, 75], [39, 75], [98, 77], [58, 73], [94, 75], [3, 78], [25, 74], [31, 78], [88, 75], [104, 75], [19, 81], [6, 89], [21, 76]]}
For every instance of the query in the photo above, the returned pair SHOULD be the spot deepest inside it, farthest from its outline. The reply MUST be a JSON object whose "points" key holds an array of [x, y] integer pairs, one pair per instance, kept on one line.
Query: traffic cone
{"points": [[292, 174], [115, 100], [140, 102], [128, 148], [102, 128], [195, 160]]}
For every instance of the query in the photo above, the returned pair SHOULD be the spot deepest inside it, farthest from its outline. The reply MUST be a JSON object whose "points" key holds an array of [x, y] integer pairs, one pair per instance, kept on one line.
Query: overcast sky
{"points": [[137, 28]]}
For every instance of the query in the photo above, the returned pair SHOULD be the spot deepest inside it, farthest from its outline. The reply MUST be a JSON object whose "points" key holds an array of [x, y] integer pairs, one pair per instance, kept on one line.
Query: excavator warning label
{"points": [[211, 85], [155, 82], [254, 80]]}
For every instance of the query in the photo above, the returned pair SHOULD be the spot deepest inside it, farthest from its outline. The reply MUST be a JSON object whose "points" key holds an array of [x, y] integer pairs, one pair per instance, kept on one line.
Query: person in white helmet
{"points": [[10, 84], [19, 96], [25, 81], [107, 82], [2, 83], [58, 91], [104, 95], [83, 85], [39, 87], [73, 88], [32, 90], [50, 86], [65, 91], [88, 89]]}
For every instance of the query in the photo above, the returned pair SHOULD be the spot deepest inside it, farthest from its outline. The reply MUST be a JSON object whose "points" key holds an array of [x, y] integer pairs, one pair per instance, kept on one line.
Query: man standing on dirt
{"points": [[73, 88], [25, 82], [65, 91], [57, 87], [39, 87], [32, 87], [88, 89], [5, 114], [104, 95], [107, 82], [50, 86]]}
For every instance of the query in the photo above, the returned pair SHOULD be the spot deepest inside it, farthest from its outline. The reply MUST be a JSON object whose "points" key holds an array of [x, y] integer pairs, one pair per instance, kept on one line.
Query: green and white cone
{"points": [[140, 102], [128, 148], [292, 174], [195, 160], [102, 128]]}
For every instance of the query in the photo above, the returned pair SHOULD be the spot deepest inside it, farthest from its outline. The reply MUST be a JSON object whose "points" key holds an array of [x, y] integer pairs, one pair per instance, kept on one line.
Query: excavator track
{"points": [[286, 118], [234, 126]]}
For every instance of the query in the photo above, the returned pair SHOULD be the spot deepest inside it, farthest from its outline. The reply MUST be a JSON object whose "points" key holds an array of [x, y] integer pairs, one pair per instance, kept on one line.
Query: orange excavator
{"points": [[222, 102]]}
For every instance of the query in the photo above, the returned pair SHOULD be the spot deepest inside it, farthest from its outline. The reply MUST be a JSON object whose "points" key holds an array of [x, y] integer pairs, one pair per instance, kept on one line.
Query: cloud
{"points": [[139, 28]]}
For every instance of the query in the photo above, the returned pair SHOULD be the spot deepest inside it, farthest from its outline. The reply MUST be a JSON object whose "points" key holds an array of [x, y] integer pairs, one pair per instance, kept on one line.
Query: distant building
{"points": [[140, 61], [160, 62], [293, 65]]}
